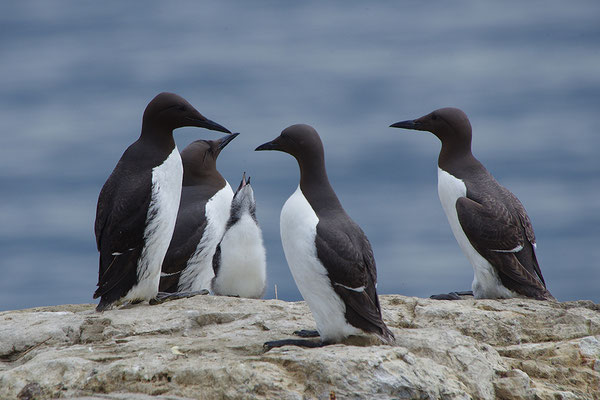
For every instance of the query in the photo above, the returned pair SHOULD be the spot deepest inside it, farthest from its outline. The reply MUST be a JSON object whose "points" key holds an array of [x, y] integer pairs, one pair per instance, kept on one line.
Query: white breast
{"points": [[160, 223], [298, 226], [486, 283], [243, 266], [198, 273]]}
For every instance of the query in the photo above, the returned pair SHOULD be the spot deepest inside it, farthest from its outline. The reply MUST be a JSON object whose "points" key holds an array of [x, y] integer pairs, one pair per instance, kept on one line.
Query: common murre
{"points": [[137, 205], [489, 223], [329, 255], [203, 214]]}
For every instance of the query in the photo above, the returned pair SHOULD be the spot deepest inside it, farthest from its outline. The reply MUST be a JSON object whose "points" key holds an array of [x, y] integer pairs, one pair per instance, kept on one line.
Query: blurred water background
{"points": [[77, 75]]}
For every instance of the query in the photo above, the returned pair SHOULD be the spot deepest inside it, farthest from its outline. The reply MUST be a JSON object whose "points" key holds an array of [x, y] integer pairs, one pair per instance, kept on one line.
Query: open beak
{"points": [[244, 182]]}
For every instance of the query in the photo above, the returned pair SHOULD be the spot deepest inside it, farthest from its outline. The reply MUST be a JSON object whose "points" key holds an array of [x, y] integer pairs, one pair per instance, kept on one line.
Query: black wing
{"points": [[503, 235], [346, 253], [189, 229], [120, 222]]}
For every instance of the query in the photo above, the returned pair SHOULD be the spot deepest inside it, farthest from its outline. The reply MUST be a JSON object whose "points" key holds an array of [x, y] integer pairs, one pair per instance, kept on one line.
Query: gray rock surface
{"points": [[210, 347]]}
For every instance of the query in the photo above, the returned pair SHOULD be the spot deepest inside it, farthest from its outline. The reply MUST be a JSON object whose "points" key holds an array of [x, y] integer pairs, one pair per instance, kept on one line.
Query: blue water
{"points": [[76, 77]]}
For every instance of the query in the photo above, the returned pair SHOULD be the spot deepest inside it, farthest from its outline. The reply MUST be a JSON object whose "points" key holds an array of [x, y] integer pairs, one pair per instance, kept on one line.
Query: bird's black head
{"points": [[301, 141], [448, 124], [168, 111], [200, 159]]}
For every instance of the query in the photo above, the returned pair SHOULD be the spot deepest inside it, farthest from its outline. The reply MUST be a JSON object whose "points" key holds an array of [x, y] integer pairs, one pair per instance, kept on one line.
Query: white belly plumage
{"points": [[298, 225], [198, 273], [160, 223], [243, 267], [486, 283]]}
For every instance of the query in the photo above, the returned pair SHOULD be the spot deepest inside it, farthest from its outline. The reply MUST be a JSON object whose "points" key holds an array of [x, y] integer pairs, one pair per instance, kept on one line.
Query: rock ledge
{"points": [[211, 347]]}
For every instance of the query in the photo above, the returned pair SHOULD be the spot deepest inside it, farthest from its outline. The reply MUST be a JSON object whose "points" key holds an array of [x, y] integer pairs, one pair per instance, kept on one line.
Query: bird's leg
{"points": [[294, 342], [305, 333], [130, 304], [162, 297], [452, 295], [465, 293]]}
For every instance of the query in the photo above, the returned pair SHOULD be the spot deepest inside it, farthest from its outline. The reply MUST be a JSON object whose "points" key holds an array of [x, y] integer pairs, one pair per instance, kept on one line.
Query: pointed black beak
{"points": [[267, 146], [208, 124], [410, 124], [224, 141]]}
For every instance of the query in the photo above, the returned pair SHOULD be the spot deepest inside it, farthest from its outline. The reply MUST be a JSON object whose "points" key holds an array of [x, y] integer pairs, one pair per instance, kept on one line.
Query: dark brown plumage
{"points": [[492, 218]]}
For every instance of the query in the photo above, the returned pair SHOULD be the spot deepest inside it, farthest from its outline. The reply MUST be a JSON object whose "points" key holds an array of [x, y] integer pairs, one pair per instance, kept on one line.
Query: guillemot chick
{"points": [[239, 262]]}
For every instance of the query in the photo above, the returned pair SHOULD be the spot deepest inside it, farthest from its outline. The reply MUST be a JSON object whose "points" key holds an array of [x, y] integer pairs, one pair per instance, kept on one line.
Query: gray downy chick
{"points": [[239, 262]]}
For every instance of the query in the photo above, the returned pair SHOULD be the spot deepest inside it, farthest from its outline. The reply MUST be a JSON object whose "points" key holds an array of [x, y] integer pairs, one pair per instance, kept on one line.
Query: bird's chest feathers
{"points": [[198, 272], [450, 189], [298, 225], [160, 223], [166, 187], [217, 209], [217, 213], [298, 232], [164, 203]]}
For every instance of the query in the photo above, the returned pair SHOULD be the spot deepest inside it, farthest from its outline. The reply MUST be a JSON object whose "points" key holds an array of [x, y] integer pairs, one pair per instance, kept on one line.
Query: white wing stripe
{"points": [[515, 250], [358, 289]]}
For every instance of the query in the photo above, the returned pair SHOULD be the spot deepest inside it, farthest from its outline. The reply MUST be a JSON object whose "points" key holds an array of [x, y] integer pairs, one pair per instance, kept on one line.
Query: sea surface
{"points": [[77, 75]]}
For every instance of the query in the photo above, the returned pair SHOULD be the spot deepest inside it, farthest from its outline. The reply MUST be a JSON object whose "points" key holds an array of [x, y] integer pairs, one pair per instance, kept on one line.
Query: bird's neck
{"points": [[158, 137], [455, 157], [203, 177], [315, 185]]}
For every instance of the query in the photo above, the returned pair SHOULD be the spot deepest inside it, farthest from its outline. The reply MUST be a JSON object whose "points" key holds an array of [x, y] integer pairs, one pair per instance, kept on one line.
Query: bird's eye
{"points": [[434, 117], [181, 108]]}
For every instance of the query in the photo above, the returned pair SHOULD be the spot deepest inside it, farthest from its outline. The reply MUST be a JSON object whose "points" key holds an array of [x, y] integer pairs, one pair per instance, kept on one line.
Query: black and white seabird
{"points": [[329, 256], [489, 223], [203, 213], [239, 262], [138, 204]]}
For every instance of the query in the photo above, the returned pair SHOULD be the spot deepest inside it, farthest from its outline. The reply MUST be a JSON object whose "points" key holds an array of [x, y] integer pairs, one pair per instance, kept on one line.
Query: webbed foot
{"points": [[306, 333], [293, 342], [162, 297], [452, 295]]}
